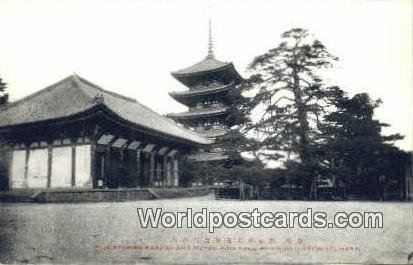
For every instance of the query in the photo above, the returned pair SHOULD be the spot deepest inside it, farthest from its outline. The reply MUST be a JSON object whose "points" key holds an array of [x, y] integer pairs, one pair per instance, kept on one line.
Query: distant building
{"points": [[212, 88], [74, 134]]}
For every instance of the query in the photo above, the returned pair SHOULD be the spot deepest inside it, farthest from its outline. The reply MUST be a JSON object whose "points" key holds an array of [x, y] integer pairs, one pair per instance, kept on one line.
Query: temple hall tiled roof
{"points": [[74, 95]]}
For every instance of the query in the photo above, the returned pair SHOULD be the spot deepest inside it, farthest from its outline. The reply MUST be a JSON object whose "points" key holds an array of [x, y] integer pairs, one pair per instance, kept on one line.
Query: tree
{"points": [[3, 95], [354, 153], [292, 96]]}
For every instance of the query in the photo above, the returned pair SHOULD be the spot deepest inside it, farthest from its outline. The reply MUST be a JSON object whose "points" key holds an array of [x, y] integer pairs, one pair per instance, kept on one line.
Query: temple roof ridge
{"points": [[85, 81], [74, 95]]}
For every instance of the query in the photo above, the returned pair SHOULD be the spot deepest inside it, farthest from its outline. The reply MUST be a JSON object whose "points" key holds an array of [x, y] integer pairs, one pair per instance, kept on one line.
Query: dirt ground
{"points": [[111, 233]]}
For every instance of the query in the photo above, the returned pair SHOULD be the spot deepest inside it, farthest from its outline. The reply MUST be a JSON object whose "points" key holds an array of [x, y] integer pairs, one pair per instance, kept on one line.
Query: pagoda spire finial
{"points": [[210, 41]]}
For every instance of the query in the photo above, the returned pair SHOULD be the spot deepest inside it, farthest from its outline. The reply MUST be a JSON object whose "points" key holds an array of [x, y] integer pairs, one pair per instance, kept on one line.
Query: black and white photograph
{"points": [[206, 132]]}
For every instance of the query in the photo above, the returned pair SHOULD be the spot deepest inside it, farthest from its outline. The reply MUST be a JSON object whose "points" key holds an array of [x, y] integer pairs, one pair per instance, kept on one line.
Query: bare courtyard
{"points": [[111, 233]]}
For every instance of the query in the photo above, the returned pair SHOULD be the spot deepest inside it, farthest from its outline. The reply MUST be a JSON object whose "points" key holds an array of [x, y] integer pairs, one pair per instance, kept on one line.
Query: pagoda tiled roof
{"points": [[206, 65], [199, 112], [203, 90], [212, 133], [75, 95]]}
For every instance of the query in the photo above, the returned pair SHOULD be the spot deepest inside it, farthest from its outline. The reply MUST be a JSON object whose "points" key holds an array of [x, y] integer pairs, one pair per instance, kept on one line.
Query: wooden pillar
{"points": [[121, 174], [165, 181], [175, 172], [93, 163], [168, 170], [151, 168], [138, 167], [163, 172], [7, 181], [49, 164], [26, 167], [159, 176], [107, 166], [102, 169], [73, 182]]}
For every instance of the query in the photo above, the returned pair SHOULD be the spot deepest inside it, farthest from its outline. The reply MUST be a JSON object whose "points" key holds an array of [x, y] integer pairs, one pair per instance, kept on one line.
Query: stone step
{"points": [[17, 196]]}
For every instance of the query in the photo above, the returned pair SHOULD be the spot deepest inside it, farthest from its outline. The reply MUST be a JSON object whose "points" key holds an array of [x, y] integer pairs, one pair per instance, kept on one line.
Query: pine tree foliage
{"points": [[4, 97], [354, 152], [291, 94]]}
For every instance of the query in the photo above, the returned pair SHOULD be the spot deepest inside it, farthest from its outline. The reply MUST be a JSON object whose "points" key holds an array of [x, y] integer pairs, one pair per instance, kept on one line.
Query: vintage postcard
{"points": [[206, 132]]}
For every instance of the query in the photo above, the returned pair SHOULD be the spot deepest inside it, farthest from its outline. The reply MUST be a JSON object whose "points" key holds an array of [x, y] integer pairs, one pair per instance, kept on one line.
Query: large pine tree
{"points": [[292, 97], [353, 150]]}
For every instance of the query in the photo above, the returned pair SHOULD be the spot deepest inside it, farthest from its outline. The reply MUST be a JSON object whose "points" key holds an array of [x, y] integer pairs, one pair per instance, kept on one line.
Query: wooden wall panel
{"points": [[17, 168], [37, 170], [61, 167], [83, 162]]}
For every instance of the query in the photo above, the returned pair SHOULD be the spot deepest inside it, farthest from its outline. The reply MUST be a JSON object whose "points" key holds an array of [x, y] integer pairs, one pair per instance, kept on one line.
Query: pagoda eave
{"points": [[191, 115], [187, 97], [226, 70], [178, 74], [200, 92], [206, 65], [212, 133], [229, 67]]}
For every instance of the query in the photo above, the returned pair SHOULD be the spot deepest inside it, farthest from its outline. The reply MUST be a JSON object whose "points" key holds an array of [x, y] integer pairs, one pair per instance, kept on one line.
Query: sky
{"points": [[131, 47]]}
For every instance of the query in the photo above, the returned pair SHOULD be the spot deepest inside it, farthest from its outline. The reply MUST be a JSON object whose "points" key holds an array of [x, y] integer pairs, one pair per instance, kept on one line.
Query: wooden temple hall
{"points": [[74, 134]]}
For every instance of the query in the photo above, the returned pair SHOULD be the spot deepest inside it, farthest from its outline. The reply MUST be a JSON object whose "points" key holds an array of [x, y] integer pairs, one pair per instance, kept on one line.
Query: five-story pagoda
{"points": [[212, 90]]}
